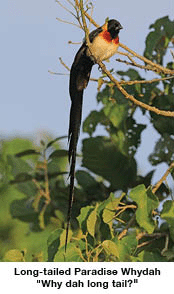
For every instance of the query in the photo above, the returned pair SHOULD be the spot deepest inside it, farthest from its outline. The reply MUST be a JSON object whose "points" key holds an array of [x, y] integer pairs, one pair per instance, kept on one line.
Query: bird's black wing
{"points": [[95, 33]]}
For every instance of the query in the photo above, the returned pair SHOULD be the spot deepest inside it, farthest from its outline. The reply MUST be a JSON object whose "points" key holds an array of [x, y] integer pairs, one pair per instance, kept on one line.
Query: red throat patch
{"points": [[116, 40], [107, 37]]}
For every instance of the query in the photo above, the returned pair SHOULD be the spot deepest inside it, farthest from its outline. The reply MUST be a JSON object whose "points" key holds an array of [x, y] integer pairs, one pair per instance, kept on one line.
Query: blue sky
{"points": [[32, 40]]}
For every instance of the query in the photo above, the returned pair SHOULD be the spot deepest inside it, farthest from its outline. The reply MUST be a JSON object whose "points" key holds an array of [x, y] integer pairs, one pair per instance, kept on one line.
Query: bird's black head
{"points": [[114, 27]]}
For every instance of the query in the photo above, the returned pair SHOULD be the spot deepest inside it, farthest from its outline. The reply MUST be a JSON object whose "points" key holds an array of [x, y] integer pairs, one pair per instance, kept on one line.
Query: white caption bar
{"points": [[76, 277]]}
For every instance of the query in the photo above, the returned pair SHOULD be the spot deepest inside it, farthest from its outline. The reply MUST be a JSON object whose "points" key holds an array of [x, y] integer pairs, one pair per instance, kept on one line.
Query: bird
{"points": [[104, 42]]}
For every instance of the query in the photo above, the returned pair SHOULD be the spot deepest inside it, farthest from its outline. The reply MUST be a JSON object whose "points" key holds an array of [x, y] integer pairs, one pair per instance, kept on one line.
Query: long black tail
{"points": [[74, 128], [79, 77]]}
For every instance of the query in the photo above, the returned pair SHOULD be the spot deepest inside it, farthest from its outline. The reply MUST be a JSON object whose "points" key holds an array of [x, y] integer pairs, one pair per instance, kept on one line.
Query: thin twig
{"points": [[166, 245], [84, 23], [64, 7], [145, 81], [78, 17], [172, 53], [146, 67], [67, 22], [46, 194], [61, 61], [123, 208], [157, 66], [92, 10], [74, 43], [87, 15], [155, 236], [168, 171], [70, 3], [57, 73], [129, 224]]}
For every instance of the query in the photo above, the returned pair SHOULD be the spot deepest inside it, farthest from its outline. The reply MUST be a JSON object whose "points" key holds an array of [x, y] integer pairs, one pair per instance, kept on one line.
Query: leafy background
{"points": [[116, 215]]}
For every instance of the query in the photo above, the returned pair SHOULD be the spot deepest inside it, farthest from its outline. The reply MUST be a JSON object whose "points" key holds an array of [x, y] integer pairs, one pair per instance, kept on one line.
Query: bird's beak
{"points": [[118, 27]]}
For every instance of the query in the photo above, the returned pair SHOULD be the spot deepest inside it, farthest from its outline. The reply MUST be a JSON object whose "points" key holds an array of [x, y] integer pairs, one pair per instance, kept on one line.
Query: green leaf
{"points": [[168, 214], [107, 209], [73, 254], [147, 256], [23, 210], [159, 22], [110, 248], [85, 180], [168, 211], [101, 156], [94, 190], [53, 244], [157, 41], [63, 238], [18, 165], [128, 138], [126, 246], [14, 255], [110, 92], [16, 145], [146, 202], [59, 153], [131, 73], [110, 209], [152, 41], [104, 203], [28, 188], [20, 178], [27, 152], [164, 23], [91, 222], [163, 151], [56, 174], [164, 125], [116, 113], [169, 254], [54, 141], [147, 93], [55, 167], [92, 120], [83, 216]]}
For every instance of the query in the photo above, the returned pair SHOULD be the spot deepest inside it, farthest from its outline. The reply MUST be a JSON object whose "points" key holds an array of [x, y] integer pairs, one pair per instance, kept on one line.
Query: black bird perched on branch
{"points": [[104, 43]]}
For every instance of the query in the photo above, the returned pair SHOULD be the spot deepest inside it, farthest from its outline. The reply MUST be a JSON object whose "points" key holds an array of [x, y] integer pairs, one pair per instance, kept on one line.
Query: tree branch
{"points": [[132, 98], [168, 171], [158, 67]]}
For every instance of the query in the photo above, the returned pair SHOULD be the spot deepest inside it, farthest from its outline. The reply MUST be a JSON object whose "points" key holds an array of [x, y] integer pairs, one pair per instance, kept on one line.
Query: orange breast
{"points": [[107, 37], [103, 46]]}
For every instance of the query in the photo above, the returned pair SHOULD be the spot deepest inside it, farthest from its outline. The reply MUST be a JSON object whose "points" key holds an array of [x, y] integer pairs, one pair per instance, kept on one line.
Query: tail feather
{"points": [[74, 128], [79, 77]]}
